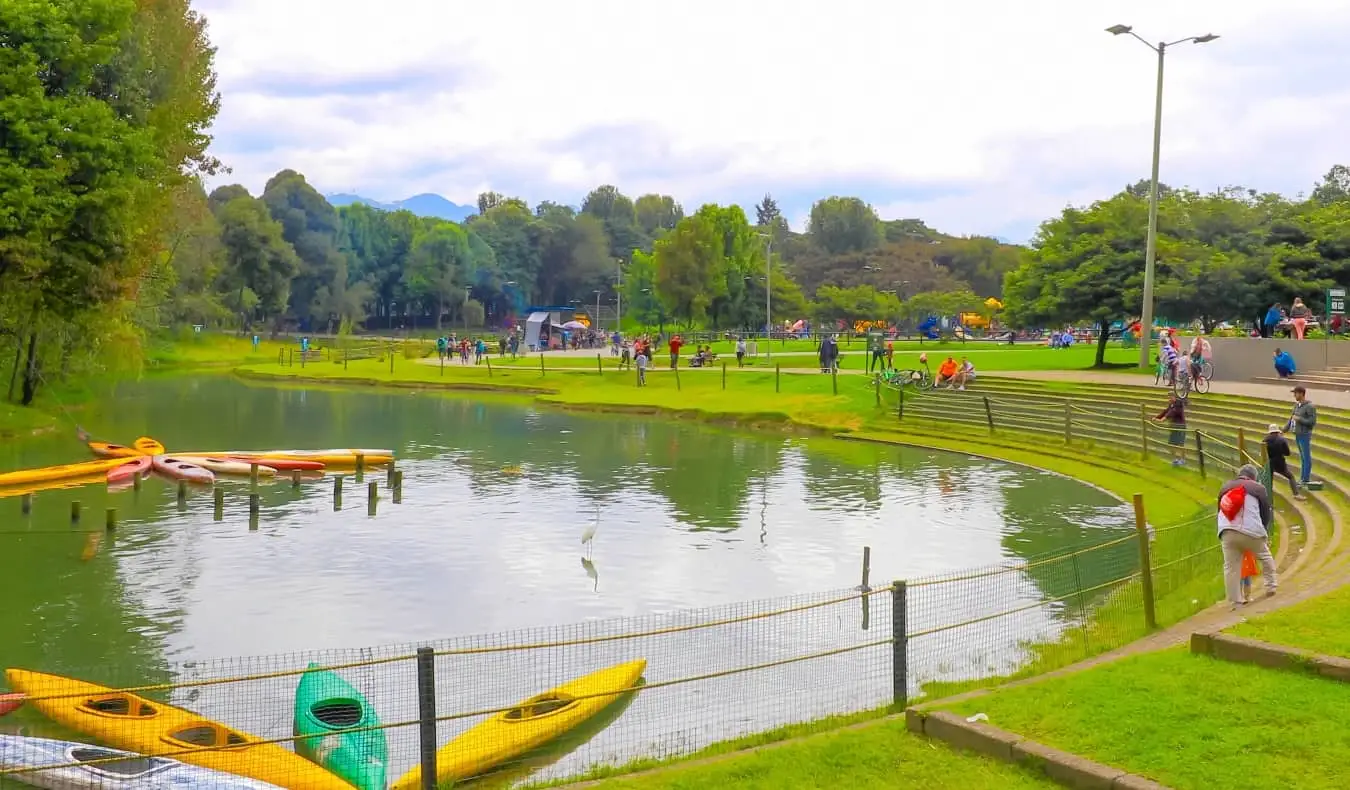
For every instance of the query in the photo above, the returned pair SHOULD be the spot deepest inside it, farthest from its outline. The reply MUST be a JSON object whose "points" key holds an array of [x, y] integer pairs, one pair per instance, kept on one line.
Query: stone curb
{"points": [[1067, 769], [1241, 650]]}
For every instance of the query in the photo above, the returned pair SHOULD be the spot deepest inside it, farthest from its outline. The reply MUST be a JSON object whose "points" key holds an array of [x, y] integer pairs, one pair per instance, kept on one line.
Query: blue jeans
{"points": [[1304, 442]]}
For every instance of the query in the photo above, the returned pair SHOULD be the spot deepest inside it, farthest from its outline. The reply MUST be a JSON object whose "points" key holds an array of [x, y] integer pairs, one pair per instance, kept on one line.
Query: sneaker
{"points": [[1301, 496], [962, 389], [1269, 594]]}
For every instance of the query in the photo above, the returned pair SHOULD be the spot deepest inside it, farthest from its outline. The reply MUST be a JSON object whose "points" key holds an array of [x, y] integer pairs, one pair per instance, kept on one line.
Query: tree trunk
{"points": [[440, 310], [1103, 336], [18, 359], [30, 371]]}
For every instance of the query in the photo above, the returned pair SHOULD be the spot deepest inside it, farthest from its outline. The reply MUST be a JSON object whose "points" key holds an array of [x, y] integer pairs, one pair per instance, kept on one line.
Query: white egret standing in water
{"points": [[588, 534]]}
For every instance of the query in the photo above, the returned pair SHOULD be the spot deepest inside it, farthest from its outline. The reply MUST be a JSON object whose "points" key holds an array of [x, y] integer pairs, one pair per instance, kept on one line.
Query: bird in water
{"points": [[591, 573], [588, 534]]}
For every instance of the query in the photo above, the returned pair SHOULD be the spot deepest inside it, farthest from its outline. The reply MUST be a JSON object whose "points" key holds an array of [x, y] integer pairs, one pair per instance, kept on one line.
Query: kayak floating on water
{"points": [[10, 703], [326, 709], [126, 721], [62, 472], [136, 771], [531, 724], [130, 469], [147, 446], [283, 464], [181, 470], [142, 446], [225, 466]]}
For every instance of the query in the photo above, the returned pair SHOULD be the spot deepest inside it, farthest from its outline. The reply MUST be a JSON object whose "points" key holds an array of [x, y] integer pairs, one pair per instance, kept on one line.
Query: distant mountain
{"points": [[425, 205]]}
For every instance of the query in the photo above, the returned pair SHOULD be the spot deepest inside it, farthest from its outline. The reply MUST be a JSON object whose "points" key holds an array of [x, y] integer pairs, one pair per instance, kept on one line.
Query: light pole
{"points": [[618, 296], [768, 295], [1151, 247], [596, 322], [467, 289]]}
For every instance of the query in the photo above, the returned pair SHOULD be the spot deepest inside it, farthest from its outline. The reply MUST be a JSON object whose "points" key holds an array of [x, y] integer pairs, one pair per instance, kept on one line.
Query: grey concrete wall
{"points": [[1245, 358]]}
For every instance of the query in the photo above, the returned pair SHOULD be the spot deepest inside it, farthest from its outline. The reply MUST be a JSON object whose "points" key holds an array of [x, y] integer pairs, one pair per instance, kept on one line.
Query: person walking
{"points": [[1302, 422], [642, 360], [674, 345], [1298, 316], [878, 354], [1244, 519], [1277, 452], [1175, 416], [740, 352]]}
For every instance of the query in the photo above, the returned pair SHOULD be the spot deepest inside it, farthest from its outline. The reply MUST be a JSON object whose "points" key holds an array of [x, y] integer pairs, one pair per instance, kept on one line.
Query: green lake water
{"points": [[488, 539]]}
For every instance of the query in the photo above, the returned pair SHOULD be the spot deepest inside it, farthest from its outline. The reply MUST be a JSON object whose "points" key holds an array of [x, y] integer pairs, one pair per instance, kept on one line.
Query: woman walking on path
{"points": [[1302, 422], [1175, 416], [1277, 452], [1244, 522]]}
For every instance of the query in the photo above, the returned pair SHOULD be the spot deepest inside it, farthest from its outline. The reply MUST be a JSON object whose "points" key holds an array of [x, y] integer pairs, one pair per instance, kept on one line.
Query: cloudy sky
{"points": [[977, 116]]}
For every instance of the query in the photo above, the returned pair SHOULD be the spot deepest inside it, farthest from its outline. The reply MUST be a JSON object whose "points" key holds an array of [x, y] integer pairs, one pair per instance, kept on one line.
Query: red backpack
{"points": [[1231, 503]]}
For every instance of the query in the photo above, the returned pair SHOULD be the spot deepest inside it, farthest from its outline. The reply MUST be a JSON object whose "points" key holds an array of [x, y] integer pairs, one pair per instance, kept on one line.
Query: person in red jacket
{"points": [[675, 343]]}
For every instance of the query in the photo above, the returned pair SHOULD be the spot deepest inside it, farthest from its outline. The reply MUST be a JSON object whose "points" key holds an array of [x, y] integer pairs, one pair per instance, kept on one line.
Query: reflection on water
{"points": [[500, 506]]}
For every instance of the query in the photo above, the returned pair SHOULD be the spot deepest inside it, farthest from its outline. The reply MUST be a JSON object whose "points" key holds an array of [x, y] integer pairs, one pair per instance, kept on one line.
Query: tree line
{"points": [[108, 234]]}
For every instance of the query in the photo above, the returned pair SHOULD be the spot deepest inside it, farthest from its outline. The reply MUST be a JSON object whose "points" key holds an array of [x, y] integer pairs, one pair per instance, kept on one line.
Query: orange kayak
{"points": [[142, 446], [130, 469]]}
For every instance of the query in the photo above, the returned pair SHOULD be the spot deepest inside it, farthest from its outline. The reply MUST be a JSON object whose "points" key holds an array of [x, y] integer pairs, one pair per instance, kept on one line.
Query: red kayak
{"points": [[133, 468], [279, 464], [10, 702]]}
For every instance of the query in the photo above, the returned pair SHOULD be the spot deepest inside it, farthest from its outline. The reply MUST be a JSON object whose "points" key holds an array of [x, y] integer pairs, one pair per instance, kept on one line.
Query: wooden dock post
{"points": [[219, 496], [110, 519], [26, 504], [75, 512], [295, 478], [372, 497]]}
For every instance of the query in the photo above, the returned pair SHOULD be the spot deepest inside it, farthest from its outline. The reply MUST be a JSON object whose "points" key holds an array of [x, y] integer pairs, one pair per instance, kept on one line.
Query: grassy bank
{"points": [[1320, 624], [879, 755], [1188, 721]]}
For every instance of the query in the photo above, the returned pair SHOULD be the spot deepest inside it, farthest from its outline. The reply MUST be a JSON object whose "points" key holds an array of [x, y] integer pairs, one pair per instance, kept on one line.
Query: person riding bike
{"points": [[1170, 360], [1200, 354]]}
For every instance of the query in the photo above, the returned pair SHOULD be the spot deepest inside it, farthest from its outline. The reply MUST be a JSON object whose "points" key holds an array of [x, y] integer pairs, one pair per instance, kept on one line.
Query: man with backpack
{"points": [[1244, 520]]}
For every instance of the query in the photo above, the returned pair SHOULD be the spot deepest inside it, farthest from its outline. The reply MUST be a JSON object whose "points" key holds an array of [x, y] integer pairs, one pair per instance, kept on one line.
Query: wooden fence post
{"points": [[1068, 423], [1143, 431], [1200, 454], [989, 413], [1145, 563]]}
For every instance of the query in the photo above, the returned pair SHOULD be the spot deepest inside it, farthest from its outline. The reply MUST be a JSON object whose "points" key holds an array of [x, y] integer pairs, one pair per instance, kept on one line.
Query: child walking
{"points": [[1249, 572]]}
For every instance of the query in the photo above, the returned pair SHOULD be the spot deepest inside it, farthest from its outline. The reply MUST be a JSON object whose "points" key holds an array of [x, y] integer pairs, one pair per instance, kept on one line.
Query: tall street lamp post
{"points": [[1151, 249], [768, 295]]}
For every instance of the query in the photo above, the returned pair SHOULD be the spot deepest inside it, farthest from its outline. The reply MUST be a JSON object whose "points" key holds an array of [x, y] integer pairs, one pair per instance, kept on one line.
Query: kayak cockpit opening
{"points": [[127, 767], [119, 705], [337, 713], [541, 705], [208, 735]]}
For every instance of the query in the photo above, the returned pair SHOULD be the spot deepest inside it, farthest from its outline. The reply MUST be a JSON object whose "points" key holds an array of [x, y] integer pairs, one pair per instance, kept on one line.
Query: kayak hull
{"points": [[225, 466], [134, 773], [131, 469], [10, 703], [181, 470], [339, 457], [126, 721], [48, 474], [110, 450], [285, 464], [526, 727], [147, 446], [325, 706]]}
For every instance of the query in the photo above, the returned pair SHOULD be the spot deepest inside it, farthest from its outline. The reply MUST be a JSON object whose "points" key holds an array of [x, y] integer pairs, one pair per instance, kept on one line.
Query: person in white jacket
{"points": [[1244, 521]]}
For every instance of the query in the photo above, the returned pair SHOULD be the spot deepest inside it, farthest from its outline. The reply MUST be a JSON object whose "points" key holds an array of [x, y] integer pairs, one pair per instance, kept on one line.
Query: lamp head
{"points": [[1205, 39], [1119, 30]]}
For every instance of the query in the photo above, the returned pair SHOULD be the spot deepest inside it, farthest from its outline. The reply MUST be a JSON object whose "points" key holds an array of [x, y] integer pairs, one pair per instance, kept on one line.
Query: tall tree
{"points": [[766, 211], [657, 214], [438, 271], [844, 224]]}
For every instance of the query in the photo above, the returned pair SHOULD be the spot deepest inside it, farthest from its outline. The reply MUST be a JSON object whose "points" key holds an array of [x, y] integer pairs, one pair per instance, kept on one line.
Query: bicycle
{"points": [[920, 379], [1186, 382]]}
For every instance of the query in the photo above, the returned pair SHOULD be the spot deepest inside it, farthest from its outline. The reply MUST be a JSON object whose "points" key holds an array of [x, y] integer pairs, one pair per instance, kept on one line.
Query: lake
{"points": [[488, 539]]}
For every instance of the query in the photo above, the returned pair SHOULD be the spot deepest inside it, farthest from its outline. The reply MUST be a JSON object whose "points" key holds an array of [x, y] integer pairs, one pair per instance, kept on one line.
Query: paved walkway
{"points": [[1250, 389]]}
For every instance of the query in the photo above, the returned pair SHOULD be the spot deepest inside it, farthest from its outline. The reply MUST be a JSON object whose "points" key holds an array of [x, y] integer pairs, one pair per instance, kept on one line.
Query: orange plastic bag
{"points": [[1249, 565]]}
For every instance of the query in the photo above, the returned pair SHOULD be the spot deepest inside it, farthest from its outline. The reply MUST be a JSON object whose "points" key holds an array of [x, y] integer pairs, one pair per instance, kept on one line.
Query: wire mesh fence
{"points": [[559, 702]]}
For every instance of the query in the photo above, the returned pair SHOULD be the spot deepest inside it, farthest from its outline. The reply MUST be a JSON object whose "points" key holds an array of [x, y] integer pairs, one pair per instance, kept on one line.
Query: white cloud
{"points": [[977, 115]]}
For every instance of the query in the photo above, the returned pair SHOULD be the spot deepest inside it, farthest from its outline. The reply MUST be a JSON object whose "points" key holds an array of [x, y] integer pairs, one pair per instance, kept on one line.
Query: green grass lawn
{"points": [[1188, 721], [986, 356], [1319, 624], [881, 755]]}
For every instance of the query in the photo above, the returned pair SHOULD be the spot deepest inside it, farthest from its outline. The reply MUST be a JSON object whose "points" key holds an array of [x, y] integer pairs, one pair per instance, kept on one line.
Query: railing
{"points": [[711, 675]]}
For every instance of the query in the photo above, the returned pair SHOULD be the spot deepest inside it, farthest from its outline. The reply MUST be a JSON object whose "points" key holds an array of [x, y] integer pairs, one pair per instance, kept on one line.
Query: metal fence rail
{"points": [[711, 675]]}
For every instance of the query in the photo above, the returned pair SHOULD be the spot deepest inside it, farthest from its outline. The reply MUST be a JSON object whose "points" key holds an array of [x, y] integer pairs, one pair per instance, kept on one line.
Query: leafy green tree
{"points": [[259, 263], [1087, 265], [690, 269], [619, 218], [862, 303], [657, 214], [641, 302], [844, 224], [438, 272]]}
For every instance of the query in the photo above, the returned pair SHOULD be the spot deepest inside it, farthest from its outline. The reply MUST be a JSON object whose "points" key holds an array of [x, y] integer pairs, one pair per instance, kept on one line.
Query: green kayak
{"points": [[327, 708]]}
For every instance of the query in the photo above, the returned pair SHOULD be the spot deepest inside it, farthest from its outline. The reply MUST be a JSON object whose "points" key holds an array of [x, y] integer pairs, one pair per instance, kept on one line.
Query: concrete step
{"points": [[1311, 382]]}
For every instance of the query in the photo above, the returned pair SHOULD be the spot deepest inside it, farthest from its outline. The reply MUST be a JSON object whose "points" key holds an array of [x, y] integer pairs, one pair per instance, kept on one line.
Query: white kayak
{"points": [[225, 466], [136, 771]]}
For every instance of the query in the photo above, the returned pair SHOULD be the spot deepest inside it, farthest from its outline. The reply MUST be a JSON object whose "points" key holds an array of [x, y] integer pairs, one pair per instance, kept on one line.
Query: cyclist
{"points": [[1170, 359], [1200, 354]]}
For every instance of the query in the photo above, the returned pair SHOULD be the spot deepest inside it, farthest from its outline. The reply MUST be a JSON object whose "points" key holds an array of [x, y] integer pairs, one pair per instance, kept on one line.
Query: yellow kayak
{"points": [[126, 721], [531, 724], [49, 474], [142, 446]]}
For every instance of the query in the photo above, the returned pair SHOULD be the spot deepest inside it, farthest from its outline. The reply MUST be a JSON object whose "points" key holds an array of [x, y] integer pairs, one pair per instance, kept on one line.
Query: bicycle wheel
{"points": [[1207, 369], [1182, 385], [1202, 385]]}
